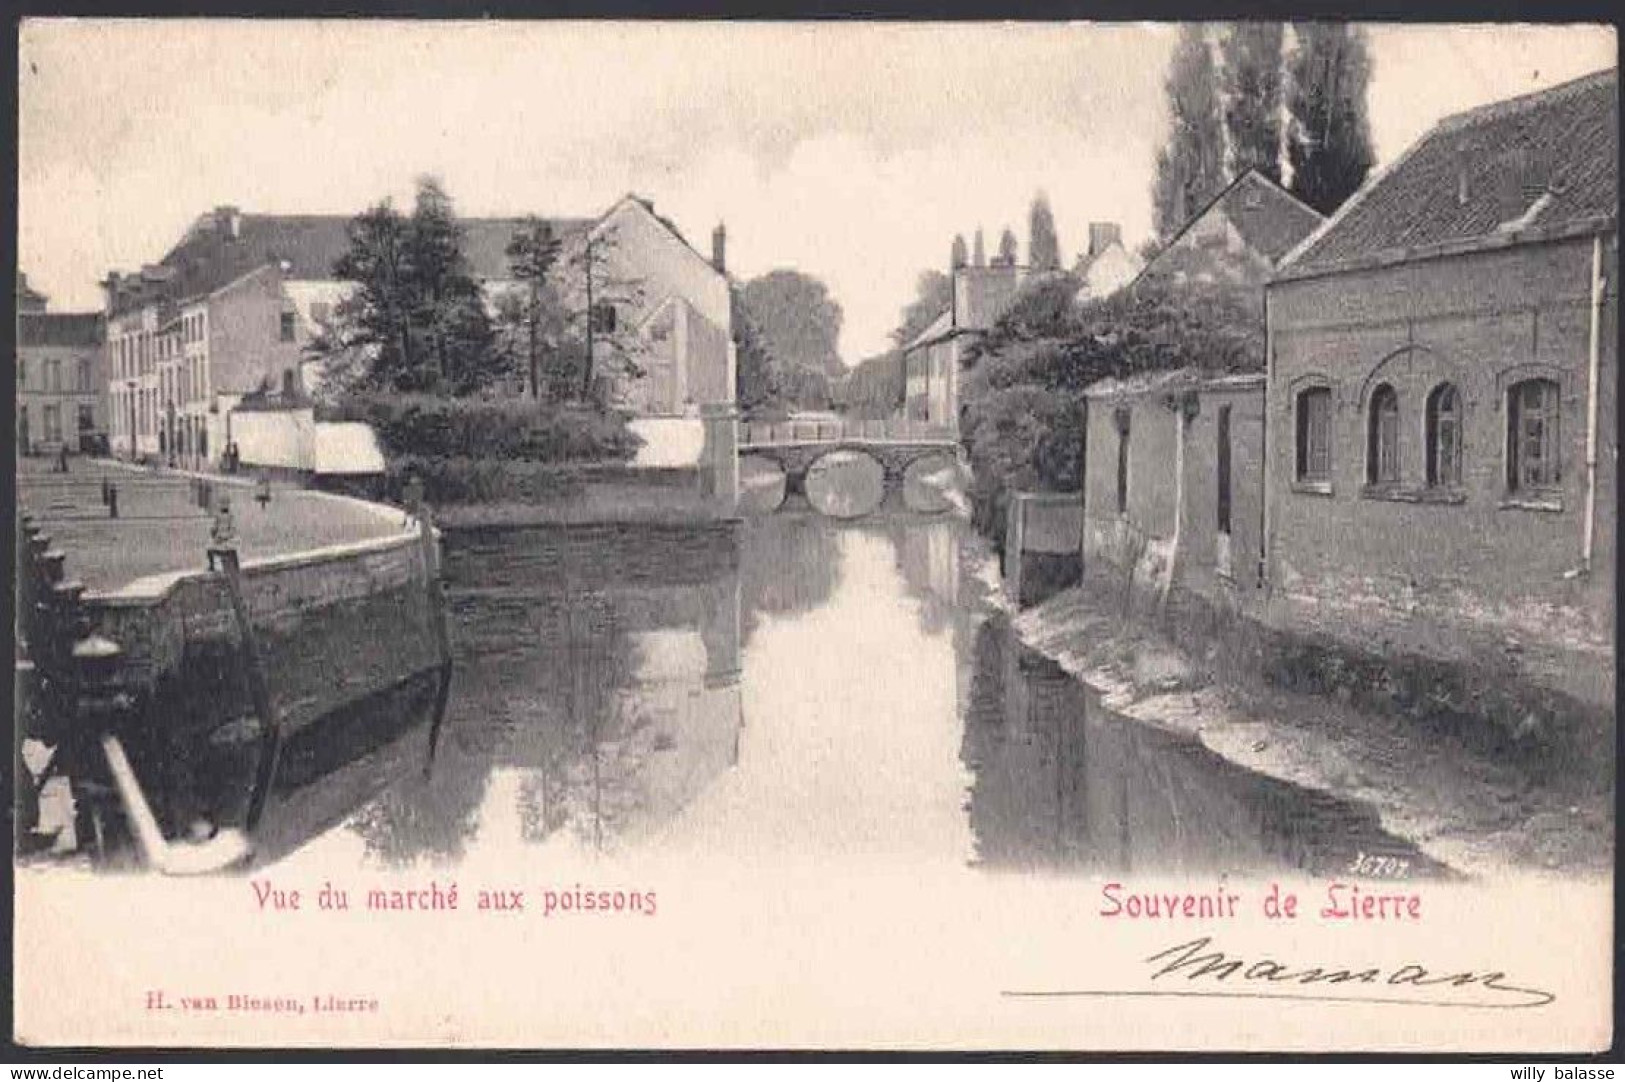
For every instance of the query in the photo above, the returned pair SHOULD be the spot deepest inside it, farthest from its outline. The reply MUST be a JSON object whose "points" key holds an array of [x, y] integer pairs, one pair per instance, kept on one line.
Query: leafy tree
{"points": [[532, 252], [1024, 383], [957, 257], [758, 375], [602, 296], [375, 321], [932, 292], [806, 388], [1251, 82], [1190, 166], [1009, 251], [874, 388], [1043, 246], [799, 322], [1330, 139], [980, 257], [446, 301]]}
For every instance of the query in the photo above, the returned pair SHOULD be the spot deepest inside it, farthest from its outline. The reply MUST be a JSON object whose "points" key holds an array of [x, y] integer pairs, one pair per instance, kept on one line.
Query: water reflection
{"points": [[1063, 784], [796, 687]]}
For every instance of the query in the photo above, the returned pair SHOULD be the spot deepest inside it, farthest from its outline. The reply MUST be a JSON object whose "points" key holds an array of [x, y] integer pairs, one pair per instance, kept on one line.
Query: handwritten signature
{"points": [[1223, 975]]}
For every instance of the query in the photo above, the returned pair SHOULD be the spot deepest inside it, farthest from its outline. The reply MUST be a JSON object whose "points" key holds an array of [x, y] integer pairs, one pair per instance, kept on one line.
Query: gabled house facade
{"points": [[657, 301], [234, 307], [1105, 266], [1174, 460], [60, 386], [1238, 238], [933, 359], [1442, 393]]}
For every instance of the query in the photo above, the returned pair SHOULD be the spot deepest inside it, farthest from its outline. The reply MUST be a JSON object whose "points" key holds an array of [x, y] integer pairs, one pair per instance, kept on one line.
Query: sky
{"points": [[852, 152]]}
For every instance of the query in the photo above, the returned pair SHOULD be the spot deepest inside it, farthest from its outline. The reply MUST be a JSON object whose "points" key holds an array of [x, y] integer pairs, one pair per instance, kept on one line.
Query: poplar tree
{"points": [[532, 252], [1251, 80], [1043, 246], [1009, 250], [1329, 144], [1190, 167]]}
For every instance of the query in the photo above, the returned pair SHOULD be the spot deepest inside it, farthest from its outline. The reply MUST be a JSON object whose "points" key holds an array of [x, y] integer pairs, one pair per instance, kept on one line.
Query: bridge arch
{"points": [[845, 482], [930, 481], [895, 447], [764, 483]]}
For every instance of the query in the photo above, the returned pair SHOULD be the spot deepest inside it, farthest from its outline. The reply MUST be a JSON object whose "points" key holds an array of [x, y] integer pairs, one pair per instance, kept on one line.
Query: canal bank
{"points": [[184, 637], [841, 694], [1480, 800]]}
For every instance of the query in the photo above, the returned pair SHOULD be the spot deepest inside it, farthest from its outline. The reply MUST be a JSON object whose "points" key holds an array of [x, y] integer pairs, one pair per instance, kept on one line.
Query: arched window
{"points": [[1444, 436], [1314, 423], [1382, 451], [1532, 421]]}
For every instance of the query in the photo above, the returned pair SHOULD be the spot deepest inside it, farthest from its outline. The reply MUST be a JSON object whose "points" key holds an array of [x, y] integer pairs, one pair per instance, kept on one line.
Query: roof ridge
{"points": [[1495, 110]]}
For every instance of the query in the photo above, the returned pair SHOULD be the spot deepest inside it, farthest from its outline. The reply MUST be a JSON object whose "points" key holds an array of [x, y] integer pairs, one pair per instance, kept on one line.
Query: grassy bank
{"points": [[1482, 802]]}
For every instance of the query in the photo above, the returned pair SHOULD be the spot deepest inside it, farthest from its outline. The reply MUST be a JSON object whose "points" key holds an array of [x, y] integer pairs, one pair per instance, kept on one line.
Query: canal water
{"points": [[794, 686]]}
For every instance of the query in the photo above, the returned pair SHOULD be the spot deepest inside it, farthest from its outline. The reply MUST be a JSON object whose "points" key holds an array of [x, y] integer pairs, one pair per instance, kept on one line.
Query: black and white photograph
{"points": [[836, 535]]}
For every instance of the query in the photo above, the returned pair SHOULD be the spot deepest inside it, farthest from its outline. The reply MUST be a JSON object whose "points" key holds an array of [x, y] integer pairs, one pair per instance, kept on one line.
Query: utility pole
{"points": [[586, 379], [535, 328]]}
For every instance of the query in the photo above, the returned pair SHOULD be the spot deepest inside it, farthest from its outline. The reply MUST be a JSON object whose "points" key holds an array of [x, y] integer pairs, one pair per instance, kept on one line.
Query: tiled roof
{"points": [[933, 330], [59, 329], [209, 257], [1270, 220], [1170, 379], [1482, 173]]}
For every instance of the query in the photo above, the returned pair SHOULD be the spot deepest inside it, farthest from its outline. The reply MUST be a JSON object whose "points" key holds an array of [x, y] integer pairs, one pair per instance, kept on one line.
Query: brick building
{"points": [[932, 361], [235, 305], [1442, 393], [1174, 460], [60, 384], [1174, 482]]}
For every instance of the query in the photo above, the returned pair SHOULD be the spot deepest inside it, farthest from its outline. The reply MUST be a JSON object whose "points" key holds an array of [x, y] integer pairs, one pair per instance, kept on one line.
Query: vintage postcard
{"points": [[816, 536]]}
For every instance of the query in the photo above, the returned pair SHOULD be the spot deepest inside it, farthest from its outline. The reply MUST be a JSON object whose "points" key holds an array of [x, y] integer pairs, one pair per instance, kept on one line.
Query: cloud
{"points": [[851, 151]]}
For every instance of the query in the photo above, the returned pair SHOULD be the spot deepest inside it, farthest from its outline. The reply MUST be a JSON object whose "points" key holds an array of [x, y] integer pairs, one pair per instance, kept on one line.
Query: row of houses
{"points": [[228, 317], [61, 385], [1427, 460], [1238, 238], [980, 293]]}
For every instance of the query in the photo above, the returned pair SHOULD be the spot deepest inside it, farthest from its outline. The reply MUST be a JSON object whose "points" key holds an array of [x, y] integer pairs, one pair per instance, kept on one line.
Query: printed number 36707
{"points": [[1379, 867]]}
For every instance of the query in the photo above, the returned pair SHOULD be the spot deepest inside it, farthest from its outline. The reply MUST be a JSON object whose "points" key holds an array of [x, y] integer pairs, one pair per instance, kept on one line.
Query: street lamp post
{"points": [[130, 386]]}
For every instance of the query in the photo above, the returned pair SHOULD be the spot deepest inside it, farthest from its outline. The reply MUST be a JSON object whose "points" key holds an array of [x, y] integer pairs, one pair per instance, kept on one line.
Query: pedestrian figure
{"points": [[262, 491], [222, 533], [62, 459], [112, 501], [412, 497]]}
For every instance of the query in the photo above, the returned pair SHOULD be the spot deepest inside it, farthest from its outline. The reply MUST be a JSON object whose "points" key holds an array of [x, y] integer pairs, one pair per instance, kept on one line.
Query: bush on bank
{"points": [[432, 426], [1023, 411]]}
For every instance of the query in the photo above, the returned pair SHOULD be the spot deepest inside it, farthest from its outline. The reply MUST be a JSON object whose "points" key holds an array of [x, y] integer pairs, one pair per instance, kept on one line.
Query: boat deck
{"points": [[162, 529]]}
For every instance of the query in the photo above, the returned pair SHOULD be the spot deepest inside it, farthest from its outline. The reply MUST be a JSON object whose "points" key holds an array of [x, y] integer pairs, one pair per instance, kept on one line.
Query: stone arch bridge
{"points": [[908, 462]]}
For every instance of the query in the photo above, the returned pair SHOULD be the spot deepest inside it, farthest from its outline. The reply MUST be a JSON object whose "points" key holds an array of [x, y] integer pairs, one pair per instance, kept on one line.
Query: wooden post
{"points": [[437, 614], [258, 690]]}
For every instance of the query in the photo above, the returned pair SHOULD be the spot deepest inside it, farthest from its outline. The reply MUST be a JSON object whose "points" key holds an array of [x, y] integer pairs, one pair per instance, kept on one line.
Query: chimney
{"points": [[230, 220], [1103, 235], [719, 248]]}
